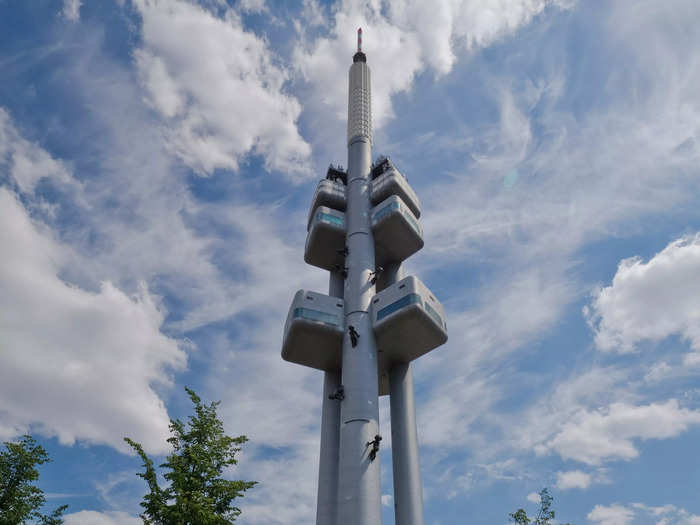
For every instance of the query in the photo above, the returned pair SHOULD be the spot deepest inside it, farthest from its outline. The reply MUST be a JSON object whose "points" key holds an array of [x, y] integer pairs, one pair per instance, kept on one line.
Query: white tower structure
{"points": [[362, 224]]}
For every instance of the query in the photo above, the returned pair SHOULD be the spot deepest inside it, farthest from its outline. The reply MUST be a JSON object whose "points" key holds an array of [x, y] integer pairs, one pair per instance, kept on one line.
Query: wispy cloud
{"points": [[71, 9], [619, 514]]}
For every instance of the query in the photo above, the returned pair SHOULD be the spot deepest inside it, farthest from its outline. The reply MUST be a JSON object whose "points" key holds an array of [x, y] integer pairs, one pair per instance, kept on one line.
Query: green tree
{"points": [[196, 493], [20, 499], [544, 516]]}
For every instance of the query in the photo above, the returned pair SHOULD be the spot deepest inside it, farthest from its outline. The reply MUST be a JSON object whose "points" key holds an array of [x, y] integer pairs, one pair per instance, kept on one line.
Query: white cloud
{"points": [[387, 500], [580, 177], [508, 220], [652, 300], [139, 221], [71, 9], [618, 514], [26, 161], [534, 497], [608, 434], [573, 479], [218, 88], [610, 515], [75, 364], [253, 6], [91, 517], [287, 490], [402, 39], [491, 330]]}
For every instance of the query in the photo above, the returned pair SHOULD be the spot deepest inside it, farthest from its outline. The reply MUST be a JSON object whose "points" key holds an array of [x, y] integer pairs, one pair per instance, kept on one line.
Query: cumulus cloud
{"points": [[533, 497], [608, 434], [610, 515], [403, 39], [573, 479], [76, 364], [91, 517], [218, 88], [650, 300]]}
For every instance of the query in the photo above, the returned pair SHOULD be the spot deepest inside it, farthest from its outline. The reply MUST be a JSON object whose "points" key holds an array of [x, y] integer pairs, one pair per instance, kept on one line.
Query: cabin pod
{"points": [[408, 321], [326, 239], [387, 180], [330, 194], [397, 233], [313, 333]]}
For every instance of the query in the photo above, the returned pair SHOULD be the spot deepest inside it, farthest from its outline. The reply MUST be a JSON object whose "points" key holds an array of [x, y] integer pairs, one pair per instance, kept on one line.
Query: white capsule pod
{"points": [[330, 194], [391, 182], [408, 321], [325, 241], [397, 233], [313, 333]]}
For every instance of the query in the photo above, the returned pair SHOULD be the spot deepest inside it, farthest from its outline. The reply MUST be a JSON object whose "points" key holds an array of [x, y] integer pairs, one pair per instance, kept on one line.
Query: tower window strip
{"points": [[315, 315], [412, 298], [386, 210], [329, 219]]}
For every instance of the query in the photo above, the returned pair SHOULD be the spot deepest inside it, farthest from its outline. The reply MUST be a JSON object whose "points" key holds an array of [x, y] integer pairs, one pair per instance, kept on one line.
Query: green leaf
{"points": [[20, 499]]}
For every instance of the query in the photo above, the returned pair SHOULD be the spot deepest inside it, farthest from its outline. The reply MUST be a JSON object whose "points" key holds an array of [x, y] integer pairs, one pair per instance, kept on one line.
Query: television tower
{"points": [[362, 224]]}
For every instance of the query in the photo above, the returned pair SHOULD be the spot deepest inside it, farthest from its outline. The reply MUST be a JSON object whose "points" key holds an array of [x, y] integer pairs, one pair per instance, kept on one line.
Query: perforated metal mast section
{"points": [[362, 224]]}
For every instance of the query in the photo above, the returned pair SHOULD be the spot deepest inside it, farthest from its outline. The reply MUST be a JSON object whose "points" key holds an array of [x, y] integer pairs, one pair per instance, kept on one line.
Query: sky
{"points": [[157, 161]]}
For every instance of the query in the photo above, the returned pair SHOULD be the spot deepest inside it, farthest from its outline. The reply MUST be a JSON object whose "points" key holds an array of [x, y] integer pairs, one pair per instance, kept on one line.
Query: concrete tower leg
{"points": [[408, 489], [326, 503], [328, 459]]}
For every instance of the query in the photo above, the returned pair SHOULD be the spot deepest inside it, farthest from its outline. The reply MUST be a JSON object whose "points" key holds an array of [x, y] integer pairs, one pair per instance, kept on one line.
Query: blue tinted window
{"points": [[386, 210], [389, 208], [315, 315], [397, 305], [329, 219]]}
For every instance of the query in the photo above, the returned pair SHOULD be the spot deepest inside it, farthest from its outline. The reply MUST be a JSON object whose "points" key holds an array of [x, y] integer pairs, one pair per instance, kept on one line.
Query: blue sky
{"points": [[157, 158]]}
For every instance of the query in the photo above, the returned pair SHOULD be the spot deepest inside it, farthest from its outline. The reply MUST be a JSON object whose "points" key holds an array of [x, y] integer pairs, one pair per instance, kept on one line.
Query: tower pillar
{"points": [[408, 489], [327, 496]]}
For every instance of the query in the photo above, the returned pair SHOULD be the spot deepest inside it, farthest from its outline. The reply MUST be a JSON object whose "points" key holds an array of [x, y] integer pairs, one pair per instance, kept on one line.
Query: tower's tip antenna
{"points": [[359, 56]]}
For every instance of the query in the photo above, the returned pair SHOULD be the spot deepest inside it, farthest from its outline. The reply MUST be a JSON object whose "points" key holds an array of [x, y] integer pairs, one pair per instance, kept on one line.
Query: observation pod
{"points": [[408, 321], [397, 233], [313, 333], [326, 239], [387, 180], [330, 194]]}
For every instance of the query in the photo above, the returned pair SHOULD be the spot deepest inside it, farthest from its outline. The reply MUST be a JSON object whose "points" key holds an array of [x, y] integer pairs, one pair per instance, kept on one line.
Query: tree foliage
{"points": [[196, 493], [545, 514], [20, 499]]}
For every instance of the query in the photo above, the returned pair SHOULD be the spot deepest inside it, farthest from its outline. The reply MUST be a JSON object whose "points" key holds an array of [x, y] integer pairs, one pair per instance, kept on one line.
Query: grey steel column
{"points": [[359, 497], [326, 502], [408, 489]]}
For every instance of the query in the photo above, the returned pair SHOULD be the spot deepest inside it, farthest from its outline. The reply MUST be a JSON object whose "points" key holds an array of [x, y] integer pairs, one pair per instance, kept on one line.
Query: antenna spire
{"points": [[359, 56]]}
